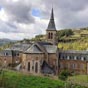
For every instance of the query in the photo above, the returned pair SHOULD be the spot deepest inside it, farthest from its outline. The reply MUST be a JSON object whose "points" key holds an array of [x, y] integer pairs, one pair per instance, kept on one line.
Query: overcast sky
{"points": [[21, 19]]}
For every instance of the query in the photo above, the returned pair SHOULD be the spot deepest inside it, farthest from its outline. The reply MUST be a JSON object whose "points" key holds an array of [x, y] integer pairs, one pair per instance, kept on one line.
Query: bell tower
{"points": [[51, 30]]}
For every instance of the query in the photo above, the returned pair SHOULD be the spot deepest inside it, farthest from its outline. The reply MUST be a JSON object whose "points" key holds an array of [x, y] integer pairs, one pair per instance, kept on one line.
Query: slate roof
{"points": [[38, 47], [42, 47], [9, 52], [15, 49], [51, 25], [48, 47], [21, 47], [51, 48], [75, 51], [6, 51], [46, 69], [34, 49], [44, 43]]}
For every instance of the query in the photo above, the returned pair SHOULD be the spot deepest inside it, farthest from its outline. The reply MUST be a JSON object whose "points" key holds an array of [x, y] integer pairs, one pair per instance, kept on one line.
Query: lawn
{"points": [[11, 79], [79, 79], [18, 80]]}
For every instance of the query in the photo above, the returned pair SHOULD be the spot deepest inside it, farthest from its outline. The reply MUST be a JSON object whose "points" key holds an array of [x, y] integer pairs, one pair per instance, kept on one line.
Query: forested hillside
{"points": [[6, 43]]}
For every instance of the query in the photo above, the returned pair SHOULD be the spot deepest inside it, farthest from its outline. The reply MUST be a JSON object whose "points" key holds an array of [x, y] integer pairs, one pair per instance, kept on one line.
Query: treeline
{"points": [[64, 33], [8, 45]]}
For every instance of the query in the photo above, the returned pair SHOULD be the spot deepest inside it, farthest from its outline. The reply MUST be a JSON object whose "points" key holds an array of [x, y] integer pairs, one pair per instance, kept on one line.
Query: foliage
{"points": [[6, 46], [64, 75], [81, 44], [38, 38], [79, 79], [75, 42], [66, 33]]}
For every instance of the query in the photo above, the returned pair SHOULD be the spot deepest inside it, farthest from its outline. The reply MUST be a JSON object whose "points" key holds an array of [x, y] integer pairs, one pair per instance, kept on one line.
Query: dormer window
{"points": [[78, 58], [84, 58], [6, 54]]}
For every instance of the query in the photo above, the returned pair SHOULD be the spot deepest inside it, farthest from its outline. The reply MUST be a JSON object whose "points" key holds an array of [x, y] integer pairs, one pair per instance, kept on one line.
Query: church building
{"points": [[41, 57]]}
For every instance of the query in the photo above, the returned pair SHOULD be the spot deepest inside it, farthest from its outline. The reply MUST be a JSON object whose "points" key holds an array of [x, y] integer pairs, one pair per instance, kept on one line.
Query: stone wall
{"points": [[76, 66], [53, 40], [5, 60], [32, 59], [53, 61]]}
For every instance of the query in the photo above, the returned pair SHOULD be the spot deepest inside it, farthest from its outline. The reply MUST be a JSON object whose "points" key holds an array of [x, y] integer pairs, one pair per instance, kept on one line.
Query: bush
{"points": [[64, 75], [66, 32]]}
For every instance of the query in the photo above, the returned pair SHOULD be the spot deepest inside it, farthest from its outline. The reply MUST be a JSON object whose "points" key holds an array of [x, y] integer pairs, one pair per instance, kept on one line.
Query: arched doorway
{"points": [[36, 67], [28, 66]]}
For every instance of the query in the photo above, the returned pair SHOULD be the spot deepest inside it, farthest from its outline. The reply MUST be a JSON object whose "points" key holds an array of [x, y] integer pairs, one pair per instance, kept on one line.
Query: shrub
{"points": [[64, 75]]}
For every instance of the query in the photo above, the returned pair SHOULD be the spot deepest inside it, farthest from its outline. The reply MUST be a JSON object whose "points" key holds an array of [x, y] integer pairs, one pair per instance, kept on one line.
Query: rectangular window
{"points": [[73, 66], [6, 54], [61, 65], [82, 66]]}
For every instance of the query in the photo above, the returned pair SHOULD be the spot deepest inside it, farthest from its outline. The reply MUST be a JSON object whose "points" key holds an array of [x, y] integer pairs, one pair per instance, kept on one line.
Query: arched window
{"points": [[51, 35], [36, 67], [28, 66]]}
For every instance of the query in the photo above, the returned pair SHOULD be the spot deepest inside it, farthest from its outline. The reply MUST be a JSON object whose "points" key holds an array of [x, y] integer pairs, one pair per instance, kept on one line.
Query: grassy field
{"points": [[17, 80], [79, 79]]}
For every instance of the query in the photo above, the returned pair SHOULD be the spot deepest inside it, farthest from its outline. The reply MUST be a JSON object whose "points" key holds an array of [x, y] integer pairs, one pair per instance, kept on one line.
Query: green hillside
{"points": [[77, 41]]}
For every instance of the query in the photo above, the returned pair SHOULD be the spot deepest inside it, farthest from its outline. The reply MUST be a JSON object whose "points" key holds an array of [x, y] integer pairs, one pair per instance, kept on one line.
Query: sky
{"points": [[21, 19]]}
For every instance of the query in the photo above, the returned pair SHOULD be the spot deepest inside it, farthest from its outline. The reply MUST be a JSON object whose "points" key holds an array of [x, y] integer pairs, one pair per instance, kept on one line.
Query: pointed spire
{"points": [[52, 15], [51, 25]]}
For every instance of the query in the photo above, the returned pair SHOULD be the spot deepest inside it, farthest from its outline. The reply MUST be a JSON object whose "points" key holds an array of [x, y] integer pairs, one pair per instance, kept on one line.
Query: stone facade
{"points": [[51, 36], [9, 60], [5, 60], [78, 67], [33, 58], [74, 61], [32, 63]]}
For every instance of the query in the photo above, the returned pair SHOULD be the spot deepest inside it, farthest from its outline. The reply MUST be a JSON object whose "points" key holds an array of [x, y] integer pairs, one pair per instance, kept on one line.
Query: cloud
{"points": [[69, 13], [28, 18], [19, 12]]}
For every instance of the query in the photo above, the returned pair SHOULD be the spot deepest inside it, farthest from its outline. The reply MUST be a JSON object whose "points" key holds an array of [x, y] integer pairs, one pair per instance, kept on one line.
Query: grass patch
{"points": [[13, 79], [17, 80], [79, 79]]}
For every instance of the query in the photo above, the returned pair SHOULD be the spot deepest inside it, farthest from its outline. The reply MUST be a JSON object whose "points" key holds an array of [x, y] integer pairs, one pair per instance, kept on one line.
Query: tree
{"points": [[66, 32], [64, 74]]}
